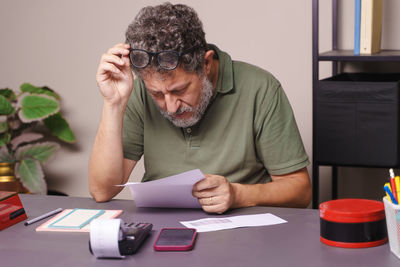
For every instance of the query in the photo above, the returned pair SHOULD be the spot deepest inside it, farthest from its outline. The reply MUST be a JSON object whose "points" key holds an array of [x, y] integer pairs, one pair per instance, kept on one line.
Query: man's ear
{"points": [[208, 60]]}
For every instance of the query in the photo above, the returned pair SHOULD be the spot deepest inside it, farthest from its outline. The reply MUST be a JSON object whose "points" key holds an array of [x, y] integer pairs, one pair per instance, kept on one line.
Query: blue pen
{"points": [[389, 192]]}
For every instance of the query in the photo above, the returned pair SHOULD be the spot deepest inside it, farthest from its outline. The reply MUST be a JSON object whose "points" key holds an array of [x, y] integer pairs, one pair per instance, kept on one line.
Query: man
{"points": [[190, 106]]}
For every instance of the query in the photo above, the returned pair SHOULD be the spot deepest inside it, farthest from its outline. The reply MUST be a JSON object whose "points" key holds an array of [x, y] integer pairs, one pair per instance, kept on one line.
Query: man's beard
{"points": [[198, 111]]}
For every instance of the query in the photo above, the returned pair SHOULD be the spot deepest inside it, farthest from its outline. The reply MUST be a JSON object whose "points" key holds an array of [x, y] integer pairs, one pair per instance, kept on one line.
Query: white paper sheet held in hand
{"points": [[170, 192], [215, 224]]}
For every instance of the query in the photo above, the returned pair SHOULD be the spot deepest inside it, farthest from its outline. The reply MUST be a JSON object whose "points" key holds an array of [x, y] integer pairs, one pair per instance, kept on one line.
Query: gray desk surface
{"points": [[295, 243]]}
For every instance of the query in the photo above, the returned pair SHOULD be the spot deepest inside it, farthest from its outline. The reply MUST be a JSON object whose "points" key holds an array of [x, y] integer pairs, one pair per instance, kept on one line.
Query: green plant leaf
{"points": [[5, 138], [26, 137], [30, 172], [59, 127], [3, 125], [5, 106], [8, 93], [37, 107], [5, 155], [39, 151], [29, 88]]}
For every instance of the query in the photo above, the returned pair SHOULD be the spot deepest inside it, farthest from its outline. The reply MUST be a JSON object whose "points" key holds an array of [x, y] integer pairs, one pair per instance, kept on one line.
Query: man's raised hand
{"points": [[114, 75]]}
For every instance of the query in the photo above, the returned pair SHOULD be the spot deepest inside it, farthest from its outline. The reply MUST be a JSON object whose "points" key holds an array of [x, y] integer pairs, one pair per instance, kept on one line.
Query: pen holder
{"points": [[392, 212]]}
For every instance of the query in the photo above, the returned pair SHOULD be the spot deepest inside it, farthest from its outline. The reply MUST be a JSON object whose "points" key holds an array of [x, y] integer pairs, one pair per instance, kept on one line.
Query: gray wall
{"points": [[59, 44]]}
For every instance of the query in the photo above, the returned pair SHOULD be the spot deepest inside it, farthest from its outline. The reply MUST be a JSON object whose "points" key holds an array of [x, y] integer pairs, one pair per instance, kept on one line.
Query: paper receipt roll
{"points": [[104, 237]]}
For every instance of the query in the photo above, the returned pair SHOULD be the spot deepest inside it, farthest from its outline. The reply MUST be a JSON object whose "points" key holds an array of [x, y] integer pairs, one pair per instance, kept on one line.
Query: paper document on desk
{"points": [[170, 192], [221, 223]]}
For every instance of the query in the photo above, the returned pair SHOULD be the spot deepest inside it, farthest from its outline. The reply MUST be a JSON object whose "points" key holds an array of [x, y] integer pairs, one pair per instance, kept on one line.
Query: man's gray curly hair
{"points": [[168, 27]]}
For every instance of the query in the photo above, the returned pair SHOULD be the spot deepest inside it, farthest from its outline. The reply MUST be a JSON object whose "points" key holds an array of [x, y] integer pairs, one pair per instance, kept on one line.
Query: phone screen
{"points": [[175, 239]]}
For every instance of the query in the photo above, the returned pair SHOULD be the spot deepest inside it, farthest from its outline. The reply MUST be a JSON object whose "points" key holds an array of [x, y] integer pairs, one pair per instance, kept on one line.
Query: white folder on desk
{"points": [[170, 192]]}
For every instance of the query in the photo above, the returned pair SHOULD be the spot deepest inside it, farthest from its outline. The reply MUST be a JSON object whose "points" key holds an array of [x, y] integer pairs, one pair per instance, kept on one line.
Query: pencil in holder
{"points": [[392, 213]]}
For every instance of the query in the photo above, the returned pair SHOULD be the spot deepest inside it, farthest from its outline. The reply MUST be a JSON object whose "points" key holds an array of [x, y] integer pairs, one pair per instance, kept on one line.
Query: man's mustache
{"points": [[180, 111]]}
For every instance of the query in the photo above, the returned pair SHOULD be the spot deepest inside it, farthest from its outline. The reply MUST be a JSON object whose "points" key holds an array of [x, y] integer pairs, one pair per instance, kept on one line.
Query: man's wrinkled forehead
{"points": [[156, 77]]}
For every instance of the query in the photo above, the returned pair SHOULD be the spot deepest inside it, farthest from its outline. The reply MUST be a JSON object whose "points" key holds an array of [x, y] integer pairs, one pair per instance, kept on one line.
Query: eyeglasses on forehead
{"points": [[166, 59]]}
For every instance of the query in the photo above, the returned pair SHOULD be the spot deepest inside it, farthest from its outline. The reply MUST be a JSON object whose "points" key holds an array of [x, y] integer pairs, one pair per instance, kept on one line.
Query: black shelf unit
{"points": [[335, 56], [347, 55]]}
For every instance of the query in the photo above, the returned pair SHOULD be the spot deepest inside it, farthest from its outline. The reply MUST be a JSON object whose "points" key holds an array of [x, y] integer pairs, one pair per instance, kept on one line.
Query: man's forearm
{"points": [[292, 190], [106, 162]]}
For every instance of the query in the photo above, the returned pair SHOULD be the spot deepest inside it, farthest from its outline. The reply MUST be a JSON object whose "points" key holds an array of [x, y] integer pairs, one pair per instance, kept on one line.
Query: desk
{"points": [[295, 243]]}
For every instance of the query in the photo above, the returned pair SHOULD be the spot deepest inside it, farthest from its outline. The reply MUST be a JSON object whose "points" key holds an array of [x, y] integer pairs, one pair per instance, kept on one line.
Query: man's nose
{"points": [[172, 103]]}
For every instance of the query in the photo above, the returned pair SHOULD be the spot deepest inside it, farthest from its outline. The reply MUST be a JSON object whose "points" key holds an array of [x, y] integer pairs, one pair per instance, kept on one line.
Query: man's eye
{"points": [[179, 92], [157, 95]]}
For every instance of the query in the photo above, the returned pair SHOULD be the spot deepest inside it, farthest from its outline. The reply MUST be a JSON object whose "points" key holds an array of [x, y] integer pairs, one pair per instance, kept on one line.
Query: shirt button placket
{"points": [[188, 135]]}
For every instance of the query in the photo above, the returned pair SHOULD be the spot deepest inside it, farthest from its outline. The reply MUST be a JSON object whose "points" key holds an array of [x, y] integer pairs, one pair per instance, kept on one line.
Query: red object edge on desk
{"points": [[352, 223], [9, 204]]}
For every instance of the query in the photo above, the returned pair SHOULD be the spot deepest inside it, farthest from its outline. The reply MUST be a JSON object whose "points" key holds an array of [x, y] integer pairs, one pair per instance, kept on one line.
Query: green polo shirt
{"points": [[247, 133]]}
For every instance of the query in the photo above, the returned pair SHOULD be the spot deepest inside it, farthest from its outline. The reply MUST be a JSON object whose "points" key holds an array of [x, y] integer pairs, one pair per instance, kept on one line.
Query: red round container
{"points": [[353, 223]]}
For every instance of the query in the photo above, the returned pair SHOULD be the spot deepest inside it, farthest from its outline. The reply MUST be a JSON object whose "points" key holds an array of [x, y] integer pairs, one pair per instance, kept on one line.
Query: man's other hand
{"points": [[215, 193]]}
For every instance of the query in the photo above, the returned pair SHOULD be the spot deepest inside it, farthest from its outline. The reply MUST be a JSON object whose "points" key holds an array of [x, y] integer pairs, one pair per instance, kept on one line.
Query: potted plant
{"points": [[27, 122]]}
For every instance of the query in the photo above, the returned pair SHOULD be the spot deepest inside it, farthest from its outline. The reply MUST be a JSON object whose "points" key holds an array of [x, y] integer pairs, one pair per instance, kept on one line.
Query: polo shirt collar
{"points": [[225, 71]]}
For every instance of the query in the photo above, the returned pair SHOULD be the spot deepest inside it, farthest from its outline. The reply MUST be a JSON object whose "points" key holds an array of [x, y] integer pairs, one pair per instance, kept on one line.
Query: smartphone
{"points": [[175, 239]]}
